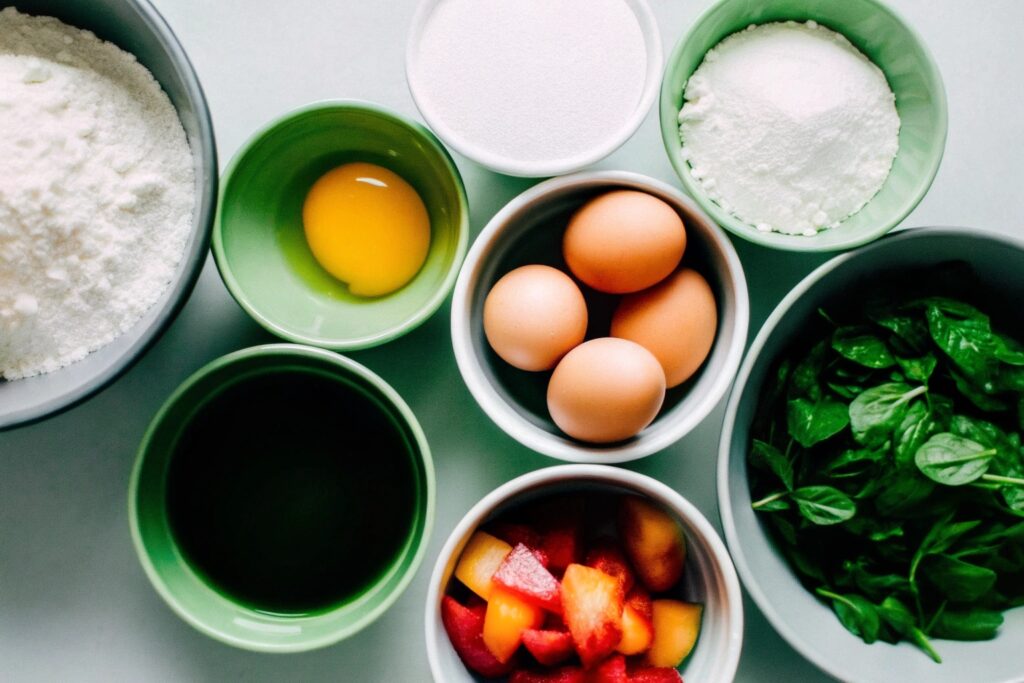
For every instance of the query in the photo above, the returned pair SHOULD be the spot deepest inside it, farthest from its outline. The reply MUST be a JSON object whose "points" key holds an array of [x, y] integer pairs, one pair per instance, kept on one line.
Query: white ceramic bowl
{"points": [[510, 165], [709, 577], [529, 230], [809, 625]]}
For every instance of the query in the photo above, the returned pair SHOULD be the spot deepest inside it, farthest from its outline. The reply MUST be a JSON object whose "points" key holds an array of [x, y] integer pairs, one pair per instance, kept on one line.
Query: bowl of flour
{"points": [[107, 204], [804, 125]]}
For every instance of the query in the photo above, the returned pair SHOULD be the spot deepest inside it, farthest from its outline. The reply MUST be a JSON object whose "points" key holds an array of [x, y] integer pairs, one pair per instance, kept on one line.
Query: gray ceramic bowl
{"points": [[709, 577], [809, 625], [134, 26], [529, 230]]}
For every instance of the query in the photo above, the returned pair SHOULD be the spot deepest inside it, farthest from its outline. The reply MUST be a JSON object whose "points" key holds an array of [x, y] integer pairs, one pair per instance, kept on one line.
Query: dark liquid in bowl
{"points": [[291, 492]]}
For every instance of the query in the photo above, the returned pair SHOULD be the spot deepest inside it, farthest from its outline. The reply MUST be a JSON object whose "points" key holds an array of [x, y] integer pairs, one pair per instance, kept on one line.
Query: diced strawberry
{"points": [[560, 523], [522, 573], [554, 622], [592, 603], [611, 670], [465, 630], [562, 545], [653, 674], [567, 674], [609, 558], [548, 647]]}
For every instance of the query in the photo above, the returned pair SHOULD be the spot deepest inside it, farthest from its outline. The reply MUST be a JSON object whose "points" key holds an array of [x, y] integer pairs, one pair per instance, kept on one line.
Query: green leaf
{"points": [[853, 462], [976, 395], [918, 369], [900, 619], [901, 493], [975, 624], [810, 423], [873, 584], [879, 410], [918, 424], [910, 329], [806, 374], [856, 613], [958, 580], [940, 538], [966, 338], [824, 505], [953, 460], [862, 347], [1009, 351], [1020, 412], [768, 457]]}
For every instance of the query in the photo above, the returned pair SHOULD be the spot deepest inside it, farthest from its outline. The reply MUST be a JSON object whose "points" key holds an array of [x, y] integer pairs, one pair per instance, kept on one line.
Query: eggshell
{"points": [[606, 390], [624, 241], [676, 320], [533, 316]]}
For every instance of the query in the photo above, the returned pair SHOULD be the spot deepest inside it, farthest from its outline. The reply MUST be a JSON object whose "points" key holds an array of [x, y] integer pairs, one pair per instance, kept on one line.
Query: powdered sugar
{"points": [[96, 193], [789, 127]]}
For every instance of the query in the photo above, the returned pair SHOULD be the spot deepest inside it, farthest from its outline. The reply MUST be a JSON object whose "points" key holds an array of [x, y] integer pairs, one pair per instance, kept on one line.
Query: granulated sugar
{"points": [[96, 193], [532, 80], [789, 127]]}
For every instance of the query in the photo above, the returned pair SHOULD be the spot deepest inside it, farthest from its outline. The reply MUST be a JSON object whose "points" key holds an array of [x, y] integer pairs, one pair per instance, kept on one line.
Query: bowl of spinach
{"points": [[871, 470]]}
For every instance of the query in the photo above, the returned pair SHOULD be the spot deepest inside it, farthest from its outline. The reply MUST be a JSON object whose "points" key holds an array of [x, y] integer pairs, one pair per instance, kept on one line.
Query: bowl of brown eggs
{"points": [[599, 317]]}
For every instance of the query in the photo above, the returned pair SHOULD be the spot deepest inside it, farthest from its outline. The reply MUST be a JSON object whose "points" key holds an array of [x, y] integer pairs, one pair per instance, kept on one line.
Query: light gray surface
{"points": [[74, 603]]}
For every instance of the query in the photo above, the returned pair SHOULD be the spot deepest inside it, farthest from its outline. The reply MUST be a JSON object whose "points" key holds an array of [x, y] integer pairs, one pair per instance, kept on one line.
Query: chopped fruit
{"points": [[655, 675], [548, 647], [561, 544], [560, 522], [514, 534], [507, 617], [611, 670], [480, 559], [554, 622], [567, 674], [465, 630], [592, 603], [523, 574], [676, 627], [637, 624], [640, 600], [654, 542], [607, 557]]}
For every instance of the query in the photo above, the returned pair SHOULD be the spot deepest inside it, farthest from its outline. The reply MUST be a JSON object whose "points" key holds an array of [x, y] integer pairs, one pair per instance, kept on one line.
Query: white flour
{"points": [[789, 127], [96, 193], [532, 80]]}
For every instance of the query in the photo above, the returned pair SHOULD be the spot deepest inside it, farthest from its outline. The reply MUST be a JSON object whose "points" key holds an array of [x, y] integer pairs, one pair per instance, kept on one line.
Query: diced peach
{"points": [[676, 628], [637, 632], [479, 560], [507, 617], [654, 543], [592, 603]]}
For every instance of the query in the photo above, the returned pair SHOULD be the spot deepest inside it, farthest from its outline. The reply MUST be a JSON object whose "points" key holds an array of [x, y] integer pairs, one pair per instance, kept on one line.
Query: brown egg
{"points": [[533, 316], [675, 320], [606, 390], [624, 241]]}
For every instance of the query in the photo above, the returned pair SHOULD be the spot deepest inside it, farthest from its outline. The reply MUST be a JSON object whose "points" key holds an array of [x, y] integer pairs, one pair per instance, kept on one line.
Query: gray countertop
{"points": [[74, 603]]}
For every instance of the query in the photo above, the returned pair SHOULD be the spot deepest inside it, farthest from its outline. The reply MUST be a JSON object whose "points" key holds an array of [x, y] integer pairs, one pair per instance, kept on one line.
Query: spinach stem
{"points": [[912, 394], [769, 499], [1000, 479]]}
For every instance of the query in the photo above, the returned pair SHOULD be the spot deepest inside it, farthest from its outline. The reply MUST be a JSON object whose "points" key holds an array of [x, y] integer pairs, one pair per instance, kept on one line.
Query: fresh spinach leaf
{"points": [[900, 619], [824, 505], [856, 613], [953, 460], [1009, 350], [910, 329], [807, 373], [975, 624], [918, 369], [956, 579], [767, 457], [966, 338], [878, 411], [853, 462], [813, 422], [918, 424], [976, 395], [862, 347]]}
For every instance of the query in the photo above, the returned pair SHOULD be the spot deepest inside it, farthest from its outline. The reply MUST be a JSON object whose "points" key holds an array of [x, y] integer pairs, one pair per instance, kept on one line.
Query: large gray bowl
{"points": [[809, 625], [134, 26]]}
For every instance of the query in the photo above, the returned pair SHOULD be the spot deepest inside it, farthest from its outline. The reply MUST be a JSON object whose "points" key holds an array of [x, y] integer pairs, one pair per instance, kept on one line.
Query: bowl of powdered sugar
{"points": [[109, 184], [805, 125]]}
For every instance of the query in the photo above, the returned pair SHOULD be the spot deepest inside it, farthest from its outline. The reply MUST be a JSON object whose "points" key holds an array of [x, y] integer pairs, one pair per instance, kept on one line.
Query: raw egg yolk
{"points": [[367, 227]]}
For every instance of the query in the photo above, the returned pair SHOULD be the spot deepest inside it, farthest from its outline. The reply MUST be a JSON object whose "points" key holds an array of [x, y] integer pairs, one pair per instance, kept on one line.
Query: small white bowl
{"points": [[529, 230], [709, 577], [509, 165]]}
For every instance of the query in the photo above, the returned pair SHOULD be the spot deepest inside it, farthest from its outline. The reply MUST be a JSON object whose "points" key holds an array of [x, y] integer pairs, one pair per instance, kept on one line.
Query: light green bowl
{"points": [[260, 246], [884, 38]]}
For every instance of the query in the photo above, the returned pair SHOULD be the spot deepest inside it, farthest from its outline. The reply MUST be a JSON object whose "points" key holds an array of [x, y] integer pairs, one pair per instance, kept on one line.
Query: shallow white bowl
{"points": [[709, 577]]}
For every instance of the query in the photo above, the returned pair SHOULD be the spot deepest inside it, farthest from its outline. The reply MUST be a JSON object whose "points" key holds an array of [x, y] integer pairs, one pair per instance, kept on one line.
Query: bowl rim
{"points": [[672, 144], [546, 168], [204, 150], [365, 341], [346, 366], [747, 574], [640, 483], [528, 434]]}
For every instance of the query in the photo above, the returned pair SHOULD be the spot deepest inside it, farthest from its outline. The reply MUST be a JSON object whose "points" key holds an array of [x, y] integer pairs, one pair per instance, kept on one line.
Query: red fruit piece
{"points": [[522, 573], [514, 534], [567, 674], [560, 523], [465, 627], [655, 675], [640, 600], [548, 647], [592, 603], [607, 557], [611, 670]]}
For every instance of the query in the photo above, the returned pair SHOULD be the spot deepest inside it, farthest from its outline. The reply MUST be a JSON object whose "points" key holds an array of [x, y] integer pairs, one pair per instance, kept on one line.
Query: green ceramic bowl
{"points": [[201, 603], [258, 239], [883, 37]]}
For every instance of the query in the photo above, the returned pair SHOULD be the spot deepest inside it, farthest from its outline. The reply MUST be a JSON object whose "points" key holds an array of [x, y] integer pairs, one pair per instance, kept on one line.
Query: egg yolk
{"points": [[367, 227]]}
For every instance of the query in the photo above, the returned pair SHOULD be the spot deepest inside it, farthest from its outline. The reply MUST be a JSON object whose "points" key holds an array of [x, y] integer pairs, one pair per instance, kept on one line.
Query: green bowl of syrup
{"points": [[282, 498]]}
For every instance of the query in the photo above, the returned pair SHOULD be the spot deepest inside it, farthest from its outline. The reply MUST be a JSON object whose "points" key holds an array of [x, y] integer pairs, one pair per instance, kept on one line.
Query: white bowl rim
{"points": [[548, 167], [518, 427], [732, 539], [641, 483]]}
